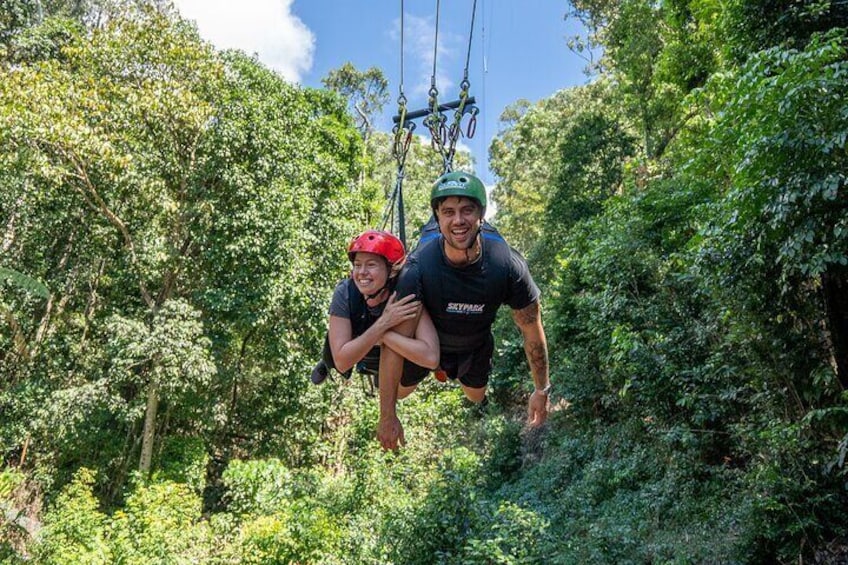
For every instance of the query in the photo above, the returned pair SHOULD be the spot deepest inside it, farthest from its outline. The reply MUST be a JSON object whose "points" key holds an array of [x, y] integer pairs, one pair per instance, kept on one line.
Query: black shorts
{"points": [[412, 373], [472, 368]]}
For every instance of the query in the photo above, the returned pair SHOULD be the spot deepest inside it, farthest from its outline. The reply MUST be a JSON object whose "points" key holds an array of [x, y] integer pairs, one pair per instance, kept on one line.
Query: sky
{"points": [[518, 49]]}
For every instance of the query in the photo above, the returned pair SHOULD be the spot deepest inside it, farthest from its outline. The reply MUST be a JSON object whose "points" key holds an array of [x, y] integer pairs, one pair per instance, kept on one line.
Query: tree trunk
{"points": [[149, 433], [835, 291], [91, 305], [9, 233], [18, 338]]}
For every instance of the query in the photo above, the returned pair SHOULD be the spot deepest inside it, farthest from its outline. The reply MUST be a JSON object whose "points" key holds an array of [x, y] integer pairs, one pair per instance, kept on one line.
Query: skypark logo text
{"points": [[462, 308]]}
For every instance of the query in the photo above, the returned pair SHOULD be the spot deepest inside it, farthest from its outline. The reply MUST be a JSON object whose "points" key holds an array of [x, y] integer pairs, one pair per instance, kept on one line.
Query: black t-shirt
{"points": [[463, 301], [340, 303], [341, 306]]}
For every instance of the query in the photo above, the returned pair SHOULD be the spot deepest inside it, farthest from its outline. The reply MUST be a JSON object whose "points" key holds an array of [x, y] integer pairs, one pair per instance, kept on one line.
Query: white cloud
{"points": [[418, 38], [265, 27], [461, 145]]}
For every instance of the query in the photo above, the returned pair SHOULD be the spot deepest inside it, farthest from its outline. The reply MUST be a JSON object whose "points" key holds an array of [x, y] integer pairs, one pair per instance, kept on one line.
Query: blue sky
{"points": [[518, 49]]}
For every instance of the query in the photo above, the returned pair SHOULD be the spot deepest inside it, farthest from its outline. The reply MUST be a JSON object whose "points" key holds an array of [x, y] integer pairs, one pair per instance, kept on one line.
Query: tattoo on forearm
{"points": [[537, 354], [528, 314]]}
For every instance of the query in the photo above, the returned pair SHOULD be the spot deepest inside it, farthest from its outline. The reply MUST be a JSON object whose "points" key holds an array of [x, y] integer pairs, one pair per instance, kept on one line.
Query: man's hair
{"points": [[438, 202]]}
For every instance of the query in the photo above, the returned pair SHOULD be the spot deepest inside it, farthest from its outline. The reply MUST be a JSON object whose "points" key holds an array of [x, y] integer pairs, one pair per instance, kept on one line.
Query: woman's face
{"points": [[370, 272]]}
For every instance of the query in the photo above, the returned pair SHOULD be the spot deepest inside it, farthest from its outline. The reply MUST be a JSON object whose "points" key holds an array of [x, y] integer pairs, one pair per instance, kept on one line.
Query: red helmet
{"points": [[379, 243]]}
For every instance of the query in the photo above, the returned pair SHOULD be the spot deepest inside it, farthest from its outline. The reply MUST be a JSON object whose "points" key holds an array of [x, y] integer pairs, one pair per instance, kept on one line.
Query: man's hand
{"points": [[390, 432], [537, 409]]}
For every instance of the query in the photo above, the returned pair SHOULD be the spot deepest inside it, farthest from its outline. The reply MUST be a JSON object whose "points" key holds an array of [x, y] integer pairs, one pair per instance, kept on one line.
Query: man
{"points": [[462, 277]]}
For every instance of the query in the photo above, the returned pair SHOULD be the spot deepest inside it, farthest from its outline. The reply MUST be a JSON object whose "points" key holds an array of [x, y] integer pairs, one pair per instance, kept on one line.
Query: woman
{"points": [[364, 311]]}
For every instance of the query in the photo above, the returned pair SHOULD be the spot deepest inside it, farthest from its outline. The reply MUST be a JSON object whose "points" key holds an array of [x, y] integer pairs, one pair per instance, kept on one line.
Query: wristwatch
{"points": [[547, 390]]}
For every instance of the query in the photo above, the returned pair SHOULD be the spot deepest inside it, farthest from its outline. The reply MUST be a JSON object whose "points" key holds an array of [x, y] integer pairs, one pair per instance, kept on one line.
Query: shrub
{"points": [[160, 523], [74, 527]]}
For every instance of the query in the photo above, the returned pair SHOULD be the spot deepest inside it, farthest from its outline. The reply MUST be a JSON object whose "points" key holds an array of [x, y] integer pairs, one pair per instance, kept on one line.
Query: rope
{"points": [[435, 46], [403, 129], [485, 60], [400, 88], [435, 120], [400, 149], [470, 36], [443, 139], [455, 130]]}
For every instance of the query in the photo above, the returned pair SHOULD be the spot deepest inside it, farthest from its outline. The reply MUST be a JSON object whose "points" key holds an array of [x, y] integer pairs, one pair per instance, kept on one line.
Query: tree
{"points": [[527, 157], [153, 183], [366, 92]]}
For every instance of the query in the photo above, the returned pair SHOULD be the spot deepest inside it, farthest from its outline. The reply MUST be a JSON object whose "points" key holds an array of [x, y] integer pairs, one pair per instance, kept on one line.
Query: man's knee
{"points": [[475, 395], [404, 391]]}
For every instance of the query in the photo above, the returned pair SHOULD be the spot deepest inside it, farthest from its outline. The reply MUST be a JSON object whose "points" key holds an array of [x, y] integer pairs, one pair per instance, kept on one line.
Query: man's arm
{"points": [[389, 428], [422, 349], [529, 321]]}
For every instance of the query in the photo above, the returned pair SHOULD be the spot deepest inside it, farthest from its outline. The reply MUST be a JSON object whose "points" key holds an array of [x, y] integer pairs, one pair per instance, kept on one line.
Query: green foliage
{"points": [[366, 92], [258, 487], [434, 530], [780, 140], [512, 535], [183, 460], [622, 498], [173, 344], [688, 300], [593, 150], [158, 524], [295, 535], [175, 217], [10, 479], [527, 157], [747, 27], [28, 284], [188, 210], [74, 528]]}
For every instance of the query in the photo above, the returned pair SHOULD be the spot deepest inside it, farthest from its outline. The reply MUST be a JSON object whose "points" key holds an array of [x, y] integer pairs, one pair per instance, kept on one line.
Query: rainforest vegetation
{"points": [[173, 219]]}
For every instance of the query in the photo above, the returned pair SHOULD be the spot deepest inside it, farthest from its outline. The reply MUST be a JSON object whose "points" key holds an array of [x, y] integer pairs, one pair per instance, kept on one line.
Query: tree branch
{"points": [[97, 202]]}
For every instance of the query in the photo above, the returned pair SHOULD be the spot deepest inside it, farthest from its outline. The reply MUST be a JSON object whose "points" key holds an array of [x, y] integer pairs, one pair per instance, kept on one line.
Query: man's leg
{"points": [[412, 377], [460, 366], [475, 395], [473, 371]]}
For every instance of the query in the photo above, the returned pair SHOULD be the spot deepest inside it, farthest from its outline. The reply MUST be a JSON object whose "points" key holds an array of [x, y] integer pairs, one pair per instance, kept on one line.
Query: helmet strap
{"points": [[476, 239], [376, 294]]}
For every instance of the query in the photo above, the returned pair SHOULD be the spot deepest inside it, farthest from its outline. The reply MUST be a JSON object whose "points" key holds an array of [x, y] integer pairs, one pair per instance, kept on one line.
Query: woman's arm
{"points": [[422, 349], [348, 350]]}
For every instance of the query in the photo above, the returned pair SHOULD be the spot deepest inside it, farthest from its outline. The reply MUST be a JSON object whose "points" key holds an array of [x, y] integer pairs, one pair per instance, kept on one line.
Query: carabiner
{"points": [[472, 126]]}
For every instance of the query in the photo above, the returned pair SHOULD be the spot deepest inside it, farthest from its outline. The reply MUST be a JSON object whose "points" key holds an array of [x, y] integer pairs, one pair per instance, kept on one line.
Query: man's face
{"points": [[459, 220]]}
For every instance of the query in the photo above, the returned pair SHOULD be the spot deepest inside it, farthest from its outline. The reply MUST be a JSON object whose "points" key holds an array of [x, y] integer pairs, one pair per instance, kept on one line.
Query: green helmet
{"points": [[458, 183]]}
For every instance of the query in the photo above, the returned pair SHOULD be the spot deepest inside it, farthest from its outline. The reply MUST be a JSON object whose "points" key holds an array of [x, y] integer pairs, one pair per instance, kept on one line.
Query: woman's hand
{"points": [[399, 311]]}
